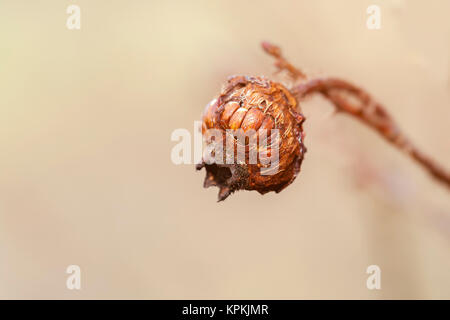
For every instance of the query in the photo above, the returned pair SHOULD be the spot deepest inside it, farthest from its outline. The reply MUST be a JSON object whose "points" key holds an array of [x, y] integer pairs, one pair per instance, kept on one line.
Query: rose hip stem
{"points": [[354, 101]]}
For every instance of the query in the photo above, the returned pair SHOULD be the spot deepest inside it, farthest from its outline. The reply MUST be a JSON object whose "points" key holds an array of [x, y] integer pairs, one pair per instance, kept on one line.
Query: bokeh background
{"points": [[86, 176]]}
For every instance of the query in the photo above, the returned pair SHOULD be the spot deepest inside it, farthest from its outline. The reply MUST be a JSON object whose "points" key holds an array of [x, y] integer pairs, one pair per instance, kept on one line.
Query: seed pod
{"points": [[252, 116]]}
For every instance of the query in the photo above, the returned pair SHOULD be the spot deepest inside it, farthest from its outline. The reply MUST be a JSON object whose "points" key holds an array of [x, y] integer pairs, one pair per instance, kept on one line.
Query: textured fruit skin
{"points": [[254, 103]]}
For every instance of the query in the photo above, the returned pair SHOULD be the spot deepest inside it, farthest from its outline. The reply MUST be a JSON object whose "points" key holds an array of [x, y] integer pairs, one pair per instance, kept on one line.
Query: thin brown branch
{"points": [[281, 63], [356, 102]]}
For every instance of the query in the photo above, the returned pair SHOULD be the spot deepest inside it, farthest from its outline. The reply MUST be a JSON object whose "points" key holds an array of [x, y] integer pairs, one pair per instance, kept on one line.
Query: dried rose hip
{"points": [[254, 115], [267, 118]]}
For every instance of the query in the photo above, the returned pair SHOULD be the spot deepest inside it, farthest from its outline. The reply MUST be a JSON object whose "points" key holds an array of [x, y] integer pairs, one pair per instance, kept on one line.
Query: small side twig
{"points": [[354, 101], [281, 63]]}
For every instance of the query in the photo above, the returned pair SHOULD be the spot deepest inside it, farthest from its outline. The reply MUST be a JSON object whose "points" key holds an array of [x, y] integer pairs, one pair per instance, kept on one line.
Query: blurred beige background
{"points": [[86, 176]]}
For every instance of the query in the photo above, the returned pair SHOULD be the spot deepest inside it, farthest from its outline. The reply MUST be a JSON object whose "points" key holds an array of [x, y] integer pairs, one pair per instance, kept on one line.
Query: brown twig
{"points": [[354, 101], [281, 63]]}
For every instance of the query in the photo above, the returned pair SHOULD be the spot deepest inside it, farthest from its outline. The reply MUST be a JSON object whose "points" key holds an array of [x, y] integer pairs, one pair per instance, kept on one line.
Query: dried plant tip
{"points": [[267, 116], [280, 62]]}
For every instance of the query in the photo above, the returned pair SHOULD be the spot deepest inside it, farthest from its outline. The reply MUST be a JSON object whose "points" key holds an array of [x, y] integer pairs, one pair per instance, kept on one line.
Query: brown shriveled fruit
{"points": [[252, 107]]}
